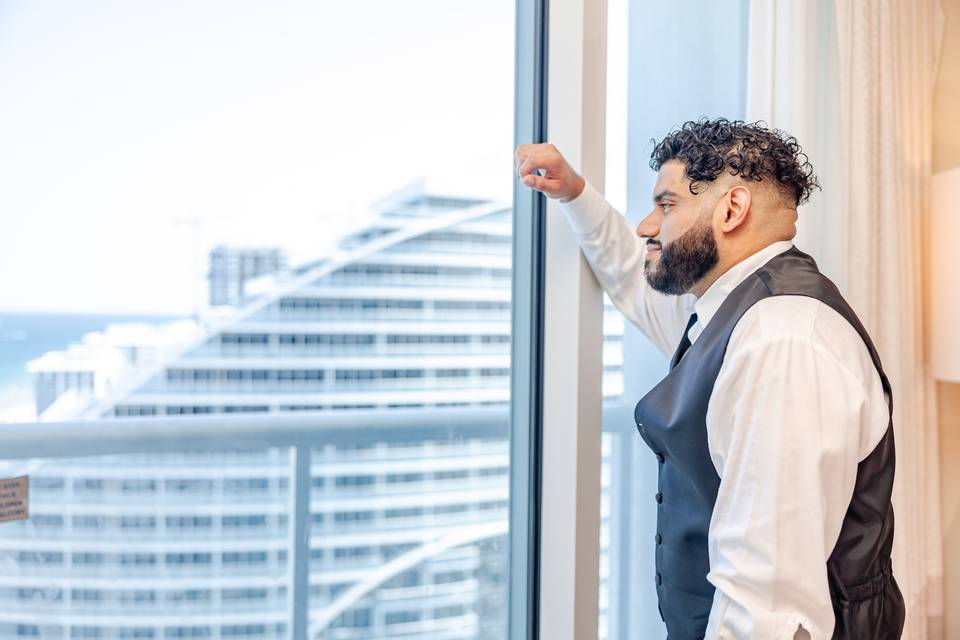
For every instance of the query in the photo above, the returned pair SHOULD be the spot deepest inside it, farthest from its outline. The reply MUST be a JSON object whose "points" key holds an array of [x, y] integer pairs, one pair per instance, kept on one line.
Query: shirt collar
{"points": [[708, 304]]}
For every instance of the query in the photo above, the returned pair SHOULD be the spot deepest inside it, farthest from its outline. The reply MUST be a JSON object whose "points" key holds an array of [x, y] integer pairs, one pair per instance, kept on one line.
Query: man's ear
{"points": [[737, 203]]}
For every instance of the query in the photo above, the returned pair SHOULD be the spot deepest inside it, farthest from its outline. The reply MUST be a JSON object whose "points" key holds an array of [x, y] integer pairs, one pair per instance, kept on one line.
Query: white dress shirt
{"points": [[797, 404]]}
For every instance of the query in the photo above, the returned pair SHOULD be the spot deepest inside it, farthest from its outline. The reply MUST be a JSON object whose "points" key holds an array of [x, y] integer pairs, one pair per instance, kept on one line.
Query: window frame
{"points": [[556, 365], [526, 347]]}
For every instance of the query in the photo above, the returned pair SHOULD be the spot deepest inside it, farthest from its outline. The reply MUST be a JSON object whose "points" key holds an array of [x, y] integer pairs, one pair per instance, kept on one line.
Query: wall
{"points": [[946, 154]]}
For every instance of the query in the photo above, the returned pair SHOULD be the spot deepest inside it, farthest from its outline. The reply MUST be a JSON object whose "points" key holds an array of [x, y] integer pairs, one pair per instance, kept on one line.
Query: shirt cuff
{"points": [[587, 211]]}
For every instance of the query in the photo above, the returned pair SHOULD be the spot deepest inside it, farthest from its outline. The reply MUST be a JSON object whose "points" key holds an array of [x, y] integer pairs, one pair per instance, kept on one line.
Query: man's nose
{"points": [[649, 227]]}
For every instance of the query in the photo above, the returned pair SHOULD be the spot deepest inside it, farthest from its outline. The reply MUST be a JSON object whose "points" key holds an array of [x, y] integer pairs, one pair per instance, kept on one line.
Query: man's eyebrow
{"points": [[663, 194]]}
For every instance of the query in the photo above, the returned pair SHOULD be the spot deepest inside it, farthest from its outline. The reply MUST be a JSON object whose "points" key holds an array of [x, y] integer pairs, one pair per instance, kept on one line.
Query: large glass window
{"points": [[257, 275]]}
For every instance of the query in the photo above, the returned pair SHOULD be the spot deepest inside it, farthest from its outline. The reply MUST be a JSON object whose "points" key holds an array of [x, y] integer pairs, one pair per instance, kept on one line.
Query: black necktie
{"points": [[684, 343]]}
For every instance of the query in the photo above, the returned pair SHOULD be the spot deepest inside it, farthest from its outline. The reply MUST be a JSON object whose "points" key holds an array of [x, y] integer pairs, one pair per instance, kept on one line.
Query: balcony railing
{"points": [[300, 433]]}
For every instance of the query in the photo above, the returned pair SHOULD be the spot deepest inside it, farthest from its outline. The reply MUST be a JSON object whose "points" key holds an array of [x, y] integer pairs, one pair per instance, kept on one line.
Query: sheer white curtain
{"points": [[853, 81]]}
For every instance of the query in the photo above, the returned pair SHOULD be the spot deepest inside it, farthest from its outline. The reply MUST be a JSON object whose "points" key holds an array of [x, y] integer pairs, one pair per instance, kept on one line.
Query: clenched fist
{"points": [[557, 180]]}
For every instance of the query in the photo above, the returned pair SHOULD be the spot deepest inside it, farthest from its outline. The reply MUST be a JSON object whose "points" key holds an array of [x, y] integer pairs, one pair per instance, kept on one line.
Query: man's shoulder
{"points": [[778, 318], [799, 319]]}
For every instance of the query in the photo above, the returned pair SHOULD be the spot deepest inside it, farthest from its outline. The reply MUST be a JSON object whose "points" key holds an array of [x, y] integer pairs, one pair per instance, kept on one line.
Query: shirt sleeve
{"points": [[616, 255], [784, 422]]}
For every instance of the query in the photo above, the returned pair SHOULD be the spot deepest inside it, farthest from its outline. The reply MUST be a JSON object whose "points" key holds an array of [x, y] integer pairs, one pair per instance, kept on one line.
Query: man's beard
{"points": [[684, 261]]}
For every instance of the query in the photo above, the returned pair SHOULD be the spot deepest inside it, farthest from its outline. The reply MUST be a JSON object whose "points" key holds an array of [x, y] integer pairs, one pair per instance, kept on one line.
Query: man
{"points": [[773, 428]]}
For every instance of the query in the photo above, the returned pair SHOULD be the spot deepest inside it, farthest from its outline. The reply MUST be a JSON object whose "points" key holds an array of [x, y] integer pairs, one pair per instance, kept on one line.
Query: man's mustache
{"points": [[653, 244]]}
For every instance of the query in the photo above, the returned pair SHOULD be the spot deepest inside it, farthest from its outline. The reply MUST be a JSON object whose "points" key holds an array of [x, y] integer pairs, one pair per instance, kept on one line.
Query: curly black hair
{"points": [[751, 150]]}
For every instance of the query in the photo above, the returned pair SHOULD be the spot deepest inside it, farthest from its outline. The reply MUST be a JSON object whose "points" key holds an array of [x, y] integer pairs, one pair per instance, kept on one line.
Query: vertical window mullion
{"points": [[527, 329]]}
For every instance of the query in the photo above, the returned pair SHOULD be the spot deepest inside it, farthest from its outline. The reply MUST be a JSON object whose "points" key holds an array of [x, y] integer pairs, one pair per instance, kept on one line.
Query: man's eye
{"points": [[665, 205]]}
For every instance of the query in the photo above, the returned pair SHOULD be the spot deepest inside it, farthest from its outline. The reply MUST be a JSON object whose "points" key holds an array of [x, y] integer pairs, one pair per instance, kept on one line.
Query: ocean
{"points": [[25, 336]]}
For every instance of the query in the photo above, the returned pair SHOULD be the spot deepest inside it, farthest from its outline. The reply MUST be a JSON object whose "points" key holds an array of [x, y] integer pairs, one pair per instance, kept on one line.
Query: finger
{"points": [[548, 185], [522, 152], [528, 166]]}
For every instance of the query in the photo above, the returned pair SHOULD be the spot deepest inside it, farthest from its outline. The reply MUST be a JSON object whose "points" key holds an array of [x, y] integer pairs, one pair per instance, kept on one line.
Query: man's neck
{"points": [[702, 285]]}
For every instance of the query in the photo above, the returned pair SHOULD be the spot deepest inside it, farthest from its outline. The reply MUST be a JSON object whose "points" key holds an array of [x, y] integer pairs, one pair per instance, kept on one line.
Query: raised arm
{"points": [[615, 253]]}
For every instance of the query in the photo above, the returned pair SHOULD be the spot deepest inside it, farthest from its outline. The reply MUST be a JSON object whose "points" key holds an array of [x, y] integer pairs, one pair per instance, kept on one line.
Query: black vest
{"points": [[671, 419]]}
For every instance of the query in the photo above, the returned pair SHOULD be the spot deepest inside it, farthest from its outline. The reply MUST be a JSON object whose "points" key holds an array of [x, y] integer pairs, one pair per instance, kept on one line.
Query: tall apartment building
{"points": [[411, 313], [232, 267]]}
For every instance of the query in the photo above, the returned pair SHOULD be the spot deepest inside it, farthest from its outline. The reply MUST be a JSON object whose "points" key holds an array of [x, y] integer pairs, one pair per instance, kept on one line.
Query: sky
{"points": [[135, 136]]}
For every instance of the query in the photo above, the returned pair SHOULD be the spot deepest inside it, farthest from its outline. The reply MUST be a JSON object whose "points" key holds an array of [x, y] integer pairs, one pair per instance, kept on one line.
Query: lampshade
{"points": [[945, 275]]}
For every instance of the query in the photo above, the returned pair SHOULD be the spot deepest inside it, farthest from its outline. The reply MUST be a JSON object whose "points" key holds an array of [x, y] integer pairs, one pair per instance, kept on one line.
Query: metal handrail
{"points": [[219, 432]]}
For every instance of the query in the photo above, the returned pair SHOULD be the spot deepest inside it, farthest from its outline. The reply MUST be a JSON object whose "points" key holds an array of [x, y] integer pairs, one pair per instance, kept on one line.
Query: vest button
{"points": [[658, 538], [659, 580], [659, 457], [658, 497]]}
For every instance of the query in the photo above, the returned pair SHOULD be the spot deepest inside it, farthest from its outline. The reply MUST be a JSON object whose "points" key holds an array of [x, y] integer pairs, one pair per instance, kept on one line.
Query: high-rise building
{"points": [[407, 532], [232, 267]]}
